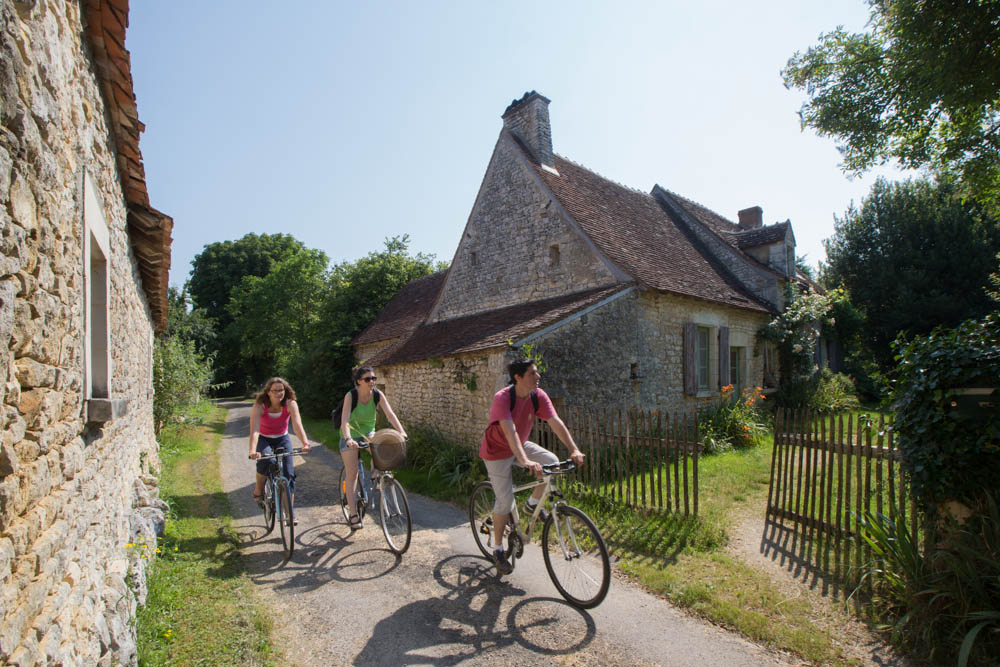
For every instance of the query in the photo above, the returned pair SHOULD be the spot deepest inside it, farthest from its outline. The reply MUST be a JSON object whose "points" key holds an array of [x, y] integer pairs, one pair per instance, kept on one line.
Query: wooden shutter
{"points": [[690, 372], [724, 373]]}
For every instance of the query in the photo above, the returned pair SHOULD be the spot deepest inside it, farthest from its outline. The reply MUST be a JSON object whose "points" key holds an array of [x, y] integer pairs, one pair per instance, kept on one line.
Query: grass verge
{"points": [[201, 607]]}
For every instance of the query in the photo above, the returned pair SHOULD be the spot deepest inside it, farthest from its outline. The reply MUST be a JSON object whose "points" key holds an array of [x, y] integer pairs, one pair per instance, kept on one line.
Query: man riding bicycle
{"points": [[505, 444]]}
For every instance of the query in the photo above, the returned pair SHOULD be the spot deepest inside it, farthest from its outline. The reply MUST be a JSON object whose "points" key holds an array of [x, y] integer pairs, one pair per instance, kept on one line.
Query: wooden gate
{"points": [[828, 472]]}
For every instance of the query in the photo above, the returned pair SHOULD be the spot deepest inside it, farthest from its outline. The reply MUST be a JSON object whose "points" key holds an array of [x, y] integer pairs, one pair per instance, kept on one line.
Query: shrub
{"points": [[948, 455], [945, 604], [834, 391], [824, 390], [735, 421], [181, 377], [455, 463]]}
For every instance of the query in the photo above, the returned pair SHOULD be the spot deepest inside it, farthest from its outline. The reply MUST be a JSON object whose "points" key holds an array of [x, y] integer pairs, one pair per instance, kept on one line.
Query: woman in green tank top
{"points": [[359, 421]]}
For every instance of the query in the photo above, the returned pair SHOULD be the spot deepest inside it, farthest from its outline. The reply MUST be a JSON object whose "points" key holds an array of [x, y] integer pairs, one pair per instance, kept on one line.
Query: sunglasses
{"points": [[371, 378]]}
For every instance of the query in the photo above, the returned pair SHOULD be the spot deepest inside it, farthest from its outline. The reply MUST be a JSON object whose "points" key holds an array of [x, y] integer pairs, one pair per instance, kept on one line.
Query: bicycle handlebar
{"points": [[364, 444], [558, 468], [278, 455]]}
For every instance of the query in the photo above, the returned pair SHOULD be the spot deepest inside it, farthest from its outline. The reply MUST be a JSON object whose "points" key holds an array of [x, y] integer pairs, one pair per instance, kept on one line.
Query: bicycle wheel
{"points": [[342, 485], [394, 512], [576, 557], [268, 505], [481, 516], [286, 518]]}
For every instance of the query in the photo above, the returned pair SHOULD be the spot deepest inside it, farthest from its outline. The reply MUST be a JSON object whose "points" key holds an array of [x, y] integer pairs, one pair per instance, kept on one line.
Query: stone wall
{"points": [[506, 254], [452, 394], [72, 495], [630, 352], [627, 353]]}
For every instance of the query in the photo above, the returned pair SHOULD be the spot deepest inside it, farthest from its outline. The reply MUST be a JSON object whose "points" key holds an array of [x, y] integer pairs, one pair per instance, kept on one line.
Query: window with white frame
{"points": [[97, 330]]}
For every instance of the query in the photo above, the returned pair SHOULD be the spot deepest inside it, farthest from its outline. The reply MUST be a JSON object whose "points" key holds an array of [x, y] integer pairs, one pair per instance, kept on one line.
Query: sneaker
{"points": [[529, 510], [500, 560]]}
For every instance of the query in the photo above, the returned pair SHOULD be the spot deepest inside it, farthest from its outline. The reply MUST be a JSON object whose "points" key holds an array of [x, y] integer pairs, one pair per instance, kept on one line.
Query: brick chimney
{"points": [[528, 120], [752, 218]]}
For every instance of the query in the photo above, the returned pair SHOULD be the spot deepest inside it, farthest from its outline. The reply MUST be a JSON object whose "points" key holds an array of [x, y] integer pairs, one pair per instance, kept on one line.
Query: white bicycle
{"points": [[576, 556]]}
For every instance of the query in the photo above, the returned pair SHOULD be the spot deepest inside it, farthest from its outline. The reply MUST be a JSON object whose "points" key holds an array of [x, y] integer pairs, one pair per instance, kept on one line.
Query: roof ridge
{"points": [[700, 205], [603, 177]]}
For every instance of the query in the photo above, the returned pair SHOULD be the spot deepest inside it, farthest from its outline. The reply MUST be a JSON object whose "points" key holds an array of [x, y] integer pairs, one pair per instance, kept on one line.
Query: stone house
{"points": [[83, 288], [632, 298]]}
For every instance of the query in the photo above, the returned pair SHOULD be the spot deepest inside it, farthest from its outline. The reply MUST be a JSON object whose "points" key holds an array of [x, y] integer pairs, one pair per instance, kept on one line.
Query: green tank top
{"points": [[362, 420]]}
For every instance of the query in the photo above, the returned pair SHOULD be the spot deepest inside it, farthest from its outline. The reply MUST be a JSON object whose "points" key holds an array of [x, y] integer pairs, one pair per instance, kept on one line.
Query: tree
{"points": [[922, 87], [912, 257], [274, 316], [187, 323], [358, 292], [218, 269]]}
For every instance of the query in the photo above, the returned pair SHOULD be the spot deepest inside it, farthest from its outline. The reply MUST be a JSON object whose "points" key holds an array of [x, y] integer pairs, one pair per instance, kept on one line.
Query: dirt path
{"points": [[773, 551], [346, 599]]}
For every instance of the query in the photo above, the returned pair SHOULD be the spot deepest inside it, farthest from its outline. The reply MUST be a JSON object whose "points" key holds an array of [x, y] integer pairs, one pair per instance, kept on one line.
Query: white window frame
{"points": [[98, 368]]}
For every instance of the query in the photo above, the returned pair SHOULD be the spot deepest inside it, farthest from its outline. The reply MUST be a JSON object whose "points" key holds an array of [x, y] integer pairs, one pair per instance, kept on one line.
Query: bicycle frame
{"points": [[551, 489], [276, 473]]}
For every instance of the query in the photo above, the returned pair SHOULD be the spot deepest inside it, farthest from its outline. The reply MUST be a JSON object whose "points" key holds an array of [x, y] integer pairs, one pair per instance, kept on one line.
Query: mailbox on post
{"points": [[973, 402]]}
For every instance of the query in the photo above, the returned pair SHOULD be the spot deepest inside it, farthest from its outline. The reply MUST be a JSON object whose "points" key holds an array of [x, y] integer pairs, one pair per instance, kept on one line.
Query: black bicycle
{"points": [[385, 491], [277, 500]]}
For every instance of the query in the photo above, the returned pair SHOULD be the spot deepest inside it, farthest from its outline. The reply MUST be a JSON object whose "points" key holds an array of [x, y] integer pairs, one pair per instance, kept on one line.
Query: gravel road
{"points": [[345, 599]]}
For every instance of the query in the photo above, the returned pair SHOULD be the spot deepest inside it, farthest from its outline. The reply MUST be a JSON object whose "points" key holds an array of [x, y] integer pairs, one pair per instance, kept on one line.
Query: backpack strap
{"points": [[377, 395], [513, 398]]}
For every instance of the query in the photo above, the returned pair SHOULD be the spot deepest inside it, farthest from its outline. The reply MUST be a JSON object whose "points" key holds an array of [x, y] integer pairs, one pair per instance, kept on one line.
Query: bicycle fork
{"points": [[569, 553]]}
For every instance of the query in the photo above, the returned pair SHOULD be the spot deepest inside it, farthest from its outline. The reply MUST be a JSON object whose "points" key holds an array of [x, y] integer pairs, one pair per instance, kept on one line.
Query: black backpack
{"points": [[338, 412], [513, 398]]}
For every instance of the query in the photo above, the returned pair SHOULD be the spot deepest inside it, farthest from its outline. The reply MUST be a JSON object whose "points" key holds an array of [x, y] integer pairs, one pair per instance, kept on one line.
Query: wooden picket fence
{"points": [[827, 473], [638, 458]]}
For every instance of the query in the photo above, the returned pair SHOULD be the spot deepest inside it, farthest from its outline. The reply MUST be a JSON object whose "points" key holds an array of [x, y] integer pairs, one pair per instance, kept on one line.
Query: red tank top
{"points": [[272, 426]]}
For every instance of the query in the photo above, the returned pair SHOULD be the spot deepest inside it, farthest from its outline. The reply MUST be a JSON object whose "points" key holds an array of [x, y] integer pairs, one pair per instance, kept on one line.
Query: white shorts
{"points": [[501, 475]]}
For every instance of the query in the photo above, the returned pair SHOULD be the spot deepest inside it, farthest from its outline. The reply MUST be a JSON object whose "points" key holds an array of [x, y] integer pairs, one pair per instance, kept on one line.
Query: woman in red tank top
{"points": [[272, 411]]}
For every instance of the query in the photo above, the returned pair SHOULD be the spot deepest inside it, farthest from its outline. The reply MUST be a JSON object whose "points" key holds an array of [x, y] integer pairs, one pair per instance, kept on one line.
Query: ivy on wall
{"points": [[951, 450]]}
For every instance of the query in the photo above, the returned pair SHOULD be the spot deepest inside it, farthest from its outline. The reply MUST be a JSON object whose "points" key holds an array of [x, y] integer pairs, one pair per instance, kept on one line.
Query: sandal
{"points": [[258, 499], [355, 522]]}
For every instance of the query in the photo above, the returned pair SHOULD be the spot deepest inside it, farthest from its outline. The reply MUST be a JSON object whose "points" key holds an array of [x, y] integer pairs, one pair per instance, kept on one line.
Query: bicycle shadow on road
{"points": [[323, 555], [466, 622]]}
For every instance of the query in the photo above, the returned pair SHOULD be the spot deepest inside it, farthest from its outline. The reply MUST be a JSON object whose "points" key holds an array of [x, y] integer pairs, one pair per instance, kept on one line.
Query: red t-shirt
{"points": [[494, 446]]}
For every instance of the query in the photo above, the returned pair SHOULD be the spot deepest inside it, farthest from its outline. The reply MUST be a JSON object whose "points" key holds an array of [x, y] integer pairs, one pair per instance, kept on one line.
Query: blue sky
{"points": [[346, 123]]}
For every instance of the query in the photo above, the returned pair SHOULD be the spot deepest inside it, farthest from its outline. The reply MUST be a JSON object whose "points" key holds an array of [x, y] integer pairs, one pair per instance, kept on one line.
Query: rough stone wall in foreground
{"points": [[516, 247], [72, 496]]}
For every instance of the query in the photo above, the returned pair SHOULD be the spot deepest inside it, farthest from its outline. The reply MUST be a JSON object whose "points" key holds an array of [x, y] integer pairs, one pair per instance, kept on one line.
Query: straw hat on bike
{"points": [[388, 447]]}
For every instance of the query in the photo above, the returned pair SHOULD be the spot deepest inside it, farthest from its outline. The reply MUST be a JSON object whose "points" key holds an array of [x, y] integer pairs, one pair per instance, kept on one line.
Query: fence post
{"points": [[775, 448]]}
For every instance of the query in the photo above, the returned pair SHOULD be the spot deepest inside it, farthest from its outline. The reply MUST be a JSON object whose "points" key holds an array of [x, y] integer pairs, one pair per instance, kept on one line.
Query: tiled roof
{"points": [[706, 216], [149, 229], [405, 311], [633, 231], [760, 236], [489, 329]]}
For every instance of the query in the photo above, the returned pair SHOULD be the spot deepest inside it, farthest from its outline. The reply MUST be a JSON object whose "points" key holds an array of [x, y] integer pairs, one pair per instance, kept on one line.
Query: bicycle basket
{"points": [[388, 449]]}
